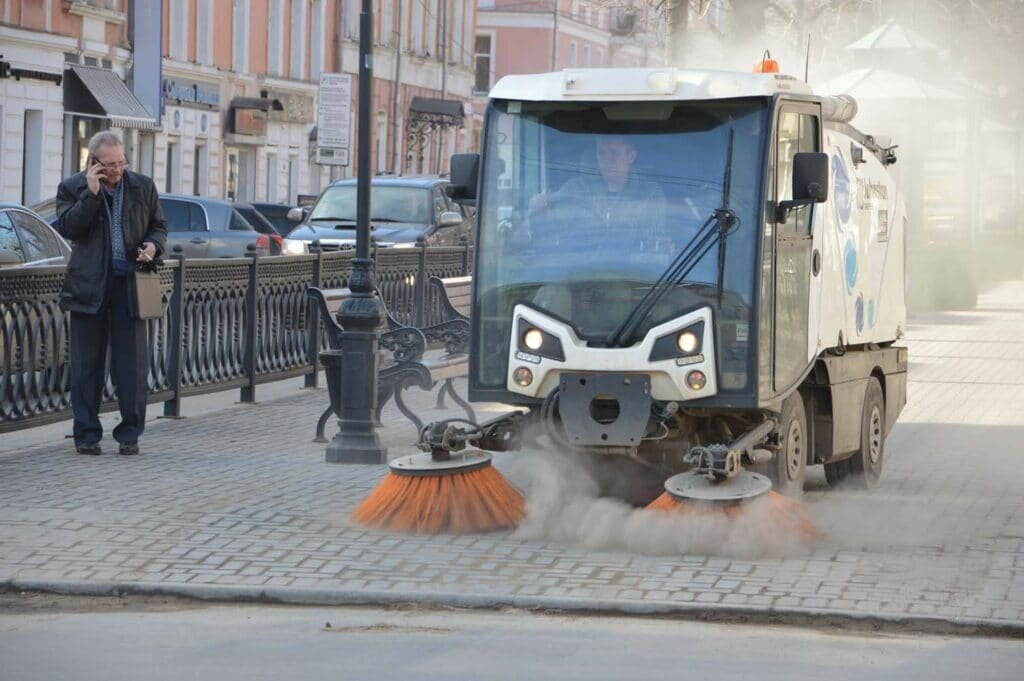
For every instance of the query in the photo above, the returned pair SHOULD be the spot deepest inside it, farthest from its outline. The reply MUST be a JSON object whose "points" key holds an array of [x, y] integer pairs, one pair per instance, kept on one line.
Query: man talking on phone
{"points": [[113, 220]]}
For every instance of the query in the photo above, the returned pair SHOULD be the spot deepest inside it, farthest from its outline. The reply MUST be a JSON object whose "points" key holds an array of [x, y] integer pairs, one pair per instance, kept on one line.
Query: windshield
{"points": [[586, 204], [388, 204]]}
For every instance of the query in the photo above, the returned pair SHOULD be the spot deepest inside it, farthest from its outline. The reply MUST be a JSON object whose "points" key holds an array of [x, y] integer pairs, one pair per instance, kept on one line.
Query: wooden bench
{"points": [[410, 356]]}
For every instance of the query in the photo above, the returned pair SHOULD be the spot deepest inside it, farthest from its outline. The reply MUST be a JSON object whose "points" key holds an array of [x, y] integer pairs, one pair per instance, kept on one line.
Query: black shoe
{"points": [[90, 450], [129, 450]]}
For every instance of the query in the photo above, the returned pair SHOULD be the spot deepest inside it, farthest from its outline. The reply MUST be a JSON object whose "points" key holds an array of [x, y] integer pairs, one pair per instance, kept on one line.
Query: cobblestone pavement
{"points": [[240, 504]]}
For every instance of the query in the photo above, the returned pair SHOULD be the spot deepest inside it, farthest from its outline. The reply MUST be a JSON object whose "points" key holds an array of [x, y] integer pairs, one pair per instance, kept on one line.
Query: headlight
{"points": [[687, 341], [696, 380], [400, 244], [294, 247], [533, 339]]}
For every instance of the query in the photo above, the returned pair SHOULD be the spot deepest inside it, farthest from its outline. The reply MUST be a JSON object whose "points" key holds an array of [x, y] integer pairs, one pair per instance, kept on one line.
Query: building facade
{"points": [[219, 97]]}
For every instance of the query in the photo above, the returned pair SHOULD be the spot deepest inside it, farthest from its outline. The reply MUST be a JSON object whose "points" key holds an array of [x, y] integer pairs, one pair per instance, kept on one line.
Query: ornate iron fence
{"points": [[228, 323]]}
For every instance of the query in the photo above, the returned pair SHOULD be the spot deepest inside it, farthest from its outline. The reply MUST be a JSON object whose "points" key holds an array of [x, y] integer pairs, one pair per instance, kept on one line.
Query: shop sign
{"points": [[191, 93]]}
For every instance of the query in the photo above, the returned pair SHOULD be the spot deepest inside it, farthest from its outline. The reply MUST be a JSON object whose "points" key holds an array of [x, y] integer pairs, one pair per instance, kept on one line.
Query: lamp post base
{"points": [[356, 447]]}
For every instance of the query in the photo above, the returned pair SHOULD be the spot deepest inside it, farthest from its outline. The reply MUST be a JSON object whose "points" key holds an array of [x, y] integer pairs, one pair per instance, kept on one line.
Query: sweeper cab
{"points": [[701, 271]]}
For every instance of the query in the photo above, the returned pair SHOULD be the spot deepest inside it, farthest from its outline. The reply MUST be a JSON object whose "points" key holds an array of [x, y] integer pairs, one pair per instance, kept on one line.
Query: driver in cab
{"points": [[614, 207]]}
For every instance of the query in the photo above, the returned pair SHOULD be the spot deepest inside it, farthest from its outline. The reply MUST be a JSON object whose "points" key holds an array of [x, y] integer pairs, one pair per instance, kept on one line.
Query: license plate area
{"points": [[610, 410]]}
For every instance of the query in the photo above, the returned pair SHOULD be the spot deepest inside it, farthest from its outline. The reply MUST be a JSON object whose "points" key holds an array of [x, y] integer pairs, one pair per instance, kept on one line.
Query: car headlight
{"points": [[399, 244], [533, 339], [294, 247]]}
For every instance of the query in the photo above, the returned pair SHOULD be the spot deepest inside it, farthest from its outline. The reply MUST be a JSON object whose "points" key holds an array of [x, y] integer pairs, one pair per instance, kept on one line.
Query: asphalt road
{"points": [[110, 639]]}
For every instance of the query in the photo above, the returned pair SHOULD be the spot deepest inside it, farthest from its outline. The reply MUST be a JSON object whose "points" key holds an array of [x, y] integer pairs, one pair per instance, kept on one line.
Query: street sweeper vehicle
{"points": [[699, 271]]}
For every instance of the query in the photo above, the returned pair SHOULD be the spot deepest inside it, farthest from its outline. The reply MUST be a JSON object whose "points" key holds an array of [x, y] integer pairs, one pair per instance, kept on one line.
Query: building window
{"points": [[352, 19], [275, 38], [387, 22], [586, 55], [240, 37], [433, 25], [417, 27], [200, 171], [179, 30], [32, 157], [293, 180], [482, 64], [204, 31], [297, 68], [271, 192], [147, 144], [572, 55], [316, 50], [172, 169]]}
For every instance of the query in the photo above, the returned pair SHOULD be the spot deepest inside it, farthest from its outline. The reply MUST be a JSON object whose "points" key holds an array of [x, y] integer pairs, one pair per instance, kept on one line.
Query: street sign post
{"points": [[334, 119]]}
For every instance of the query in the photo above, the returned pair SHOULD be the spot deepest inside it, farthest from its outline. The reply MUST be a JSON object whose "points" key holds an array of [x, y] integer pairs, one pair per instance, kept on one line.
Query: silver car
{"points": [[27, 240], [208, 228]]}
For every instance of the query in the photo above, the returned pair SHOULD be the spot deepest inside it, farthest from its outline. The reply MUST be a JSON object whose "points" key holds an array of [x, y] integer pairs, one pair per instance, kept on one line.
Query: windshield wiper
{"points": [[332, 219], [713, 231], [384, 220]]}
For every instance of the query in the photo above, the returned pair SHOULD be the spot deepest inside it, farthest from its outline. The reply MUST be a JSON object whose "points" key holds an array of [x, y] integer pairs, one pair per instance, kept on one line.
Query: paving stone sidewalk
{"points": [[240, 504]]}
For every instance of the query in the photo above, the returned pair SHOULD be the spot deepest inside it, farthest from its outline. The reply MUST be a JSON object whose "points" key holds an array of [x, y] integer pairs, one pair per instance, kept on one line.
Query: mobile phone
{"points": [[93, 160]]}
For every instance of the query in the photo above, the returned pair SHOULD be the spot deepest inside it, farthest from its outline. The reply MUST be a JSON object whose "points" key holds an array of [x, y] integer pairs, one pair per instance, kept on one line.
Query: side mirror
{"points": [[297, 214], [465, 173], [9, 258], [449, 218], [810, 182]]}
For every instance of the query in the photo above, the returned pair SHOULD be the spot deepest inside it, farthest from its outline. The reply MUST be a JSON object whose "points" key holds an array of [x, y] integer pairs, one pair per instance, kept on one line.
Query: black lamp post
{"points": [[352, 370]]}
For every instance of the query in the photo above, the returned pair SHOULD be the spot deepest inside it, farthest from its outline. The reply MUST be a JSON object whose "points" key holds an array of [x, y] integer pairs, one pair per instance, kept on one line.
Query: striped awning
{"points": [[92, 91]]}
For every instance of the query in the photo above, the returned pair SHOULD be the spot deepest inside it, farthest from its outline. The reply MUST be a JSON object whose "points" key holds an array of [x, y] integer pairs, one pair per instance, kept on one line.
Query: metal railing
{"points": [[228, 323]]}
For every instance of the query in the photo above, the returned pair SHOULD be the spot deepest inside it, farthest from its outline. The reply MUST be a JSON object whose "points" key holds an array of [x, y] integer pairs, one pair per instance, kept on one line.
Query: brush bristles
{"points": [[459, 503], [787, 514]]}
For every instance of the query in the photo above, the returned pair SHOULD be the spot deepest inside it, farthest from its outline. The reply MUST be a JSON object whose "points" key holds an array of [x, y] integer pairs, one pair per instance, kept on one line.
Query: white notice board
{"points": [[334, 111]]}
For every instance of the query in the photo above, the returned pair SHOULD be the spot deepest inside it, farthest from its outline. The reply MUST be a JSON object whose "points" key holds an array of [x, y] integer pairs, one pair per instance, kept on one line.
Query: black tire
{"points": [[837, 472], [866, 463], [789, 467]]}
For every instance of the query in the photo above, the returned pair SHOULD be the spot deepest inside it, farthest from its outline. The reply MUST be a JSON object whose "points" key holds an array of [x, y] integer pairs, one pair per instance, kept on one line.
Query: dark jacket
{"points": [[82, 219]]}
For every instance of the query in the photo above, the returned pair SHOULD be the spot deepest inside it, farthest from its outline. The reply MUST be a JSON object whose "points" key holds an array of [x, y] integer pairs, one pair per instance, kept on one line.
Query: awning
{"points": [[437, 111], [92, 91]]}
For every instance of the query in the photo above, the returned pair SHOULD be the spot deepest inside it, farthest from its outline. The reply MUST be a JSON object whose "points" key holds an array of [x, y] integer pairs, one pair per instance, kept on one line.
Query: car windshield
{"points": [[586, 204], [388, 204]]}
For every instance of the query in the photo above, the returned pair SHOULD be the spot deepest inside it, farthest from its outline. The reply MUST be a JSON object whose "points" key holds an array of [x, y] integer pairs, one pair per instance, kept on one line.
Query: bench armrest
{"points": [[331, 327], [453, 334], [449, 311], [405, 344]]}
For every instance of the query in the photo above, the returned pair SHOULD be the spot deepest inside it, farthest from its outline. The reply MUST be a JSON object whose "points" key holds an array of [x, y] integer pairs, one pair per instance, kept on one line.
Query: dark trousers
{"points": [[129, 348]]}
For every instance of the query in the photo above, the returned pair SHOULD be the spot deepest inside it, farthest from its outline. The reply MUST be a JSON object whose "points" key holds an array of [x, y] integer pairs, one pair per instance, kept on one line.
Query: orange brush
{"points": [[692, 493], [462, 494]]}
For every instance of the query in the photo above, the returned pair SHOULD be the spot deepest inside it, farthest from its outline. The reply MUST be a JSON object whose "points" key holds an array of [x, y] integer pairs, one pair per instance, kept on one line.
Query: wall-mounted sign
{"points": [[250, 122], [191, 93], [8, 71], [334, 107]]}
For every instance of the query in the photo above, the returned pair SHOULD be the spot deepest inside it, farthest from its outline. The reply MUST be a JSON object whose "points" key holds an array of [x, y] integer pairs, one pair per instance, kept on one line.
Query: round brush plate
{"points": [[695, 487], [424, 464]]}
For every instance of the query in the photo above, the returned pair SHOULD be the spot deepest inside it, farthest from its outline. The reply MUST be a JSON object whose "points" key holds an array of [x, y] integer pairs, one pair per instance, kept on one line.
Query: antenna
{"points": [[807, 60]]}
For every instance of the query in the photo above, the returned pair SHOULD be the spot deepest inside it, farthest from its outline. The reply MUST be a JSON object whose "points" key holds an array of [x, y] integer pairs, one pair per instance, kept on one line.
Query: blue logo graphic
{"points": [[850, 265], [859, 309], [841, 194], [871, 313]]}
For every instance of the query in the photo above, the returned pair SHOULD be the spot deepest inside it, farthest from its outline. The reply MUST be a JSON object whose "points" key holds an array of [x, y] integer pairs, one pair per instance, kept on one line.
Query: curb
{"points": [[715, 612]]}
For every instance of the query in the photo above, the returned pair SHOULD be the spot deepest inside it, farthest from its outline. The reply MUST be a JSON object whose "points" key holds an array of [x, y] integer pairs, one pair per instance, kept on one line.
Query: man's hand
{"points": [[146, 252], [93, 175]]}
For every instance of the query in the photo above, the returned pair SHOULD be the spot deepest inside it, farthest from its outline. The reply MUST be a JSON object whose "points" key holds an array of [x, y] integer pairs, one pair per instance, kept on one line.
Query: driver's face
{"points": [[614, 158]]}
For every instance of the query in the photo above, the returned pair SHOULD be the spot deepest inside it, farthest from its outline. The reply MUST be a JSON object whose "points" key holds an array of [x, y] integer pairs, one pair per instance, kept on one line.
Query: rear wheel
{"points": [[866, 463], [789, 467]]}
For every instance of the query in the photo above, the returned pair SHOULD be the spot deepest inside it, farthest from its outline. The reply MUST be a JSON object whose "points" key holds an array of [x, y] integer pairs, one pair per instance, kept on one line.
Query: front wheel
{"points": [[789, 467], [866, 463]]}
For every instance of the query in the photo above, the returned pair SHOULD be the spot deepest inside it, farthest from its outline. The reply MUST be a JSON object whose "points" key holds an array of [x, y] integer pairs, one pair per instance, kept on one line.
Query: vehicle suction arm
{"points": [[500, 434]]}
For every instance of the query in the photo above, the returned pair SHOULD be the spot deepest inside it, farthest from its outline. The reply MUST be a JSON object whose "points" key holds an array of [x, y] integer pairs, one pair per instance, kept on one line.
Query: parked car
{"points": [[27, 240], [261, 225], [202, 226], [209, 228], [277, 215], [404, 210]]}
